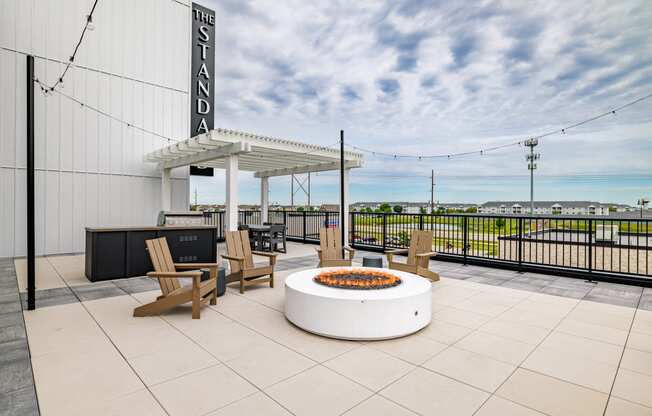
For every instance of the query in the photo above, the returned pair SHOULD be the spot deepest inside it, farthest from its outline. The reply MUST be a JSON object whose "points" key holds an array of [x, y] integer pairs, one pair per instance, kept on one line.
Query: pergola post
{"points": [[166, 189], [264, 199], [231, 220], [345, 221]]}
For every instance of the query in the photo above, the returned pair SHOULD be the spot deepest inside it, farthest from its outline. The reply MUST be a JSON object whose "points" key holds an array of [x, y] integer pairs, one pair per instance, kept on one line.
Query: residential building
{"points": [[545, 207], [407, 207]]}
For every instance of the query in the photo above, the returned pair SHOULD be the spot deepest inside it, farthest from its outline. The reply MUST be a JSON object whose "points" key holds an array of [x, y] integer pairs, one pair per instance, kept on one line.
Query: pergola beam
{"points": [[350, 164], [206, 155]]}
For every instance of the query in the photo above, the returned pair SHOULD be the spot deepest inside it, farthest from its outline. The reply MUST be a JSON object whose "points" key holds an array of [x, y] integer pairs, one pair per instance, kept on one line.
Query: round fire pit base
{"points": [[358, 314]]}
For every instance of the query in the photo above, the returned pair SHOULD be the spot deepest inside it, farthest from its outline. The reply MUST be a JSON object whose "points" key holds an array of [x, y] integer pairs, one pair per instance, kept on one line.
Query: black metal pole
{"points": [[31, 270], [342, 202]]}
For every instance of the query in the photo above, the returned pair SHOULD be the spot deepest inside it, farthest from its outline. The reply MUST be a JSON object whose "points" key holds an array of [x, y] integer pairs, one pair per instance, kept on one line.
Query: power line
{"points": [[485, 150]]}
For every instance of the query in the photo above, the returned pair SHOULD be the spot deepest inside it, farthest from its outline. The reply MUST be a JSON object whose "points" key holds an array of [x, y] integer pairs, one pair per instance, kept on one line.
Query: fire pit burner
{"points": [[358, 279]]}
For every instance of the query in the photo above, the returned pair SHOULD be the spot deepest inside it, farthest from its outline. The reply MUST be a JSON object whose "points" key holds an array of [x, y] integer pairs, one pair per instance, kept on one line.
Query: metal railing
{"points": [[593, 247], [572, 245], [302, 226]]}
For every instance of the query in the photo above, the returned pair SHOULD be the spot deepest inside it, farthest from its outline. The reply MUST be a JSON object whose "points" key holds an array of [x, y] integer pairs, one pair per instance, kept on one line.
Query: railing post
{"points": [[420, 221], [589, 235], [352, 222], [285, 218], [519, 248], [384, 231], [465, 230], [304, 227]]}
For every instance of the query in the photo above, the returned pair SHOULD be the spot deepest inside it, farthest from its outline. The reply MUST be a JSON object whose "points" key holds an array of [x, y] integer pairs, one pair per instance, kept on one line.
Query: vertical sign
{"points": [[202, 78]]}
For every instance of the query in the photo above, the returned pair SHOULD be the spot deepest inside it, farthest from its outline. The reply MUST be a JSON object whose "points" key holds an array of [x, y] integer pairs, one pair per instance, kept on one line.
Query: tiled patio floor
{"points": [[500, 343]]}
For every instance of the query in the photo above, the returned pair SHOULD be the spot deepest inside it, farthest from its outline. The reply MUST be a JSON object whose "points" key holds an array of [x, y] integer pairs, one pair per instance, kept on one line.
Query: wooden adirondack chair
{"points": [[172, 293], [240, 257], [330, 249], [418, 255]]}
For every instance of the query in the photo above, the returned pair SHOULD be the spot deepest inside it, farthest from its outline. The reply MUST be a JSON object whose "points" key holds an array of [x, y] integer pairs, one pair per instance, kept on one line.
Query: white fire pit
{"points": [[359, 313]]}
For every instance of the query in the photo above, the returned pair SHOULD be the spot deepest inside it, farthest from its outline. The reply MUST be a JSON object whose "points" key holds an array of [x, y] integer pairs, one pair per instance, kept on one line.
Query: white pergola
{"points": [[265, 156]]}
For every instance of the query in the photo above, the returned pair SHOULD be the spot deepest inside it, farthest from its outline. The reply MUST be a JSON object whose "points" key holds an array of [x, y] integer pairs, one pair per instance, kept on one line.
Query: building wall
{"points": [[134, 65]]}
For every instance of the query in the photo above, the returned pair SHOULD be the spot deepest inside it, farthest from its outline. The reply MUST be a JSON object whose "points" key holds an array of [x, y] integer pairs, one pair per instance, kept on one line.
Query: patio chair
{"points": [[168, 274], [275, 237], [241, 262], [418, 255], [330, 249]]}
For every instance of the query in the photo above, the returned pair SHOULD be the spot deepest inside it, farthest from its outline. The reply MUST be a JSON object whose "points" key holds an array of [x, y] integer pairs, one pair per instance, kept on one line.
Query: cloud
{"points": [[425, 76], [389, 86]]}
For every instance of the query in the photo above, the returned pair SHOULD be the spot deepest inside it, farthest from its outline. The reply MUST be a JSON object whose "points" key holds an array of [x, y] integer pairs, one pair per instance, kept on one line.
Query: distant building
{"points": [[412, 207], [545, 207], [408, 207], [454, 206], [330, 207]]}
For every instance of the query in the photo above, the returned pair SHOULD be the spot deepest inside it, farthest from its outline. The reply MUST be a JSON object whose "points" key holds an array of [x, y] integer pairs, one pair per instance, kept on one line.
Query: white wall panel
{"points": [[39, 28], [52, 122], [104, 207], [66, 121], [66, 195], [92, 200], [137, 135], [115, 200], [40, 119], [21, 114], [78, 214], [24, 13], [117, 36], [7, 212], [7, 103], [104, 124], [92, 122], [79, 136], [116, 127], [8, 24], [54, 29], [20, 215], [89, 169], [40, 218], [128, 156], [51, 207]]}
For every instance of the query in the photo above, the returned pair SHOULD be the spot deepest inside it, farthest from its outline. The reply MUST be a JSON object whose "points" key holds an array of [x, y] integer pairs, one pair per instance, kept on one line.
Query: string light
{"points": [[518, 143], [89, 22], [71, 60], [47, 92]]}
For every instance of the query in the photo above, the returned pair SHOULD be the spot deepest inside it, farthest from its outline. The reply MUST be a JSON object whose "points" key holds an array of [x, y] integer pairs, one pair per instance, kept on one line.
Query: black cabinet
{"points": [[114, 253]]}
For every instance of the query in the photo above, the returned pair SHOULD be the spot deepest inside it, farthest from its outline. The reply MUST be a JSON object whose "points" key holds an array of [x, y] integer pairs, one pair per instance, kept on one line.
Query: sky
{"points": [[438, 77]]}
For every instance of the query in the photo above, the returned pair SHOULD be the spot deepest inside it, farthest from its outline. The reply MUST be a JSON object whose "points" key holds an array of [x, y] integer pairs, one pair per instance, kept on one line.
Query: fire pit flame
{"points": [[359, 279]]}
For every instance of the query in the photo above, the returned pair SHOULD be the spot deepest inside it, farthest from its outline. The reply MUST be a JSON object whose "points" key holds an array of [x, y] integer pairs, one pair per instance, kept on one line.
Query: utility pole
{"points": [[432, 191], [532, 165]]}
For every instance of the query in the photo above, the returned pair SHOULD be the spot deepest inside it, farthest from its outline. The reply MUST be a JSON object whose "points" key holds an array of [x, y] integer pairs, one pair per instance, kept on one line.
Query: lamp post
{"points": [[642, 203], [532, 165], [342, 201], [31, 252]]}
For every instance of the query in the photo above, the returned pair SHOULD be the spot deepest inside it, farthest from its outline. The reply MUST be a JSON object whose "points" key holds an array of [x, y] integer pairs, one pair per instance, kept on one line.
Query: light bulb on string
{"points": [[90, 25]]}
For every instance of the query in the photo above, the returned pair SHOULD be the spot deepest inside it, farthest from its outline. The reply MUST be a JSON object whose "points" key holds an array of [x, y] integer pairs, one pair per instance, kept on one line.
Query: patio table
{"points": [[258, 231]]}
